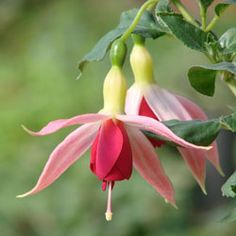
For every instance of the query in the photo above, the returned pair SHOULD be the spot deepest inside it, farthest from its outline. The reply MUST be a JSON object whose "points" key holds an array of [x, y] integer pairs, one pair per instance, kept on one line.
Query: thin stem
{"points": [[131, 28], [203, 16], [184, 12], [212, 23]]}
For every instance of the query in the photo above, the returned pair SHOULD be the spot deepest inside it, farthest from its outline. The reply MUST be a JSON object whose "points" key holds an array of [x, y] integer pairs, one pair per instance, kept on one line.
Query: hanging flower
{"points": [[146, 98], [116, 141]]}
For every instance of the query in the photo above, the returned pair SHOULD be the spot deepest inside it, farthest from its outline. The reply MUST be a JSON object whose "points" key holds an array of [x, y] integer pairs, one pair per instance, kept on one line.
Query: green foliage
{"points": [[202, 78], [147, 27], [206, 3], [163, 6], [229, 188], [200, 132], [228, 41], [220, 8], [192, 36]]}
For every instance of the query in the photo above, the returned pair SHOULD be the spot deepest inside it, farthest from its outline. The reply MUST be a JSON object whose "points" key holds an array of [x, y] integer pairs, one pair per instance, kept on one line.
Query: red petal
{"points": [[146, 111], [106, 149], [123, 166]]}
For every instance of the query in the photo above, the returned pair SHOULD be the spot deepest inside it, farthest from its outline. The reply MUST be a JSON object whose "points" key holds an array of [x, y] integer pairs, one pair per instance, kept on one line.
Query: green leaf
{"points": [[229, 122], [228, 41], [229, 187], [195, 131], [163, 6], [192, 36], [147, 27], [230, 217], [206, 3], [220, 8], [198, 132], [202, 77]]}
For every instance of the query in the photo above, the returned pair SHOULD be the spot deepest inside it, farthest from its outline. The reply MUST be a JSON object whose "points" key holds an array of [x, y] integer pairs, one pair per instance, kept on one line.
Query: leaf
{"points": [[229, 122], [206, 3], [202, 77], [163, 6], [230, 217], [195, 131], [228, 41], [199, 132], [220, 8], [229, 187], [147, 27], [192, 36]]}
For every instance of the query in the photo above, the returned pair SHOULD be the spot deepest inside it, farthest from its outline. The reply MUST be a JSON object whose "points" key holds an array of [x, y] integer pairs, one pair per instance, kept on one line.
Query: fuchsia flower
{"points": [[116, 141], [147, 99]]}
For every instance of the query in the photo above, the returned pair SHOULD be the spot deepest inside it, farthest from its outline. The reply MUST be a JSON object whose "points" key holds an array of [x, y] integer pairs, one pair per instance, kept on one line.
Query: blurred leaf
{"points": [[206, 3], [228, 41], [229, 187], [163, 6], [199, 132], [220, 8], [229, 122], [147, 27], [231, 216], [202, 78], [192, 36]]}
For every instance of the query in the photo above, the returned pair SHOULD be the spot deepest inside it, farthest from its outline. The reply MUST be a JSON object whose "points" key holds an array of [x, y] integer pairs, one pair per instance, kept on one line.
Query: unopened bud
{"points": [[141, 63], [114, 91]]}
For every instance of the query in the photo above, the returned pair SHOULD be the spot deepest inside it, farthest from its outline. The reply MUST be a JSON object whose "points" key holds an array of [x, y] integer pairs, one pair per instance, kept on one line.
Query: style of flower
{"points": [[116, 141], [146, 98]]}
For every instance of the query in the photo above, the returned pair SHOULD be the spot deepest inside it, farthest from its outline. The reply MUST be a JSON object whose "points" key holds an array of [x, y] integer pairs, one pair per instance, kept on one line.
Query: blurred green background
{"points": [[41, 42]]}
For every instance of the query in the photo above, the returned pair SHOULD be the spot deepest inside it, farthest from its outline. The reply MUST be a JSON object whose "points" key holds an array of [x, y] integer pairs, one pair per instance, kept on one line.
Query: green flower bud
{"points": [[118, 53]]}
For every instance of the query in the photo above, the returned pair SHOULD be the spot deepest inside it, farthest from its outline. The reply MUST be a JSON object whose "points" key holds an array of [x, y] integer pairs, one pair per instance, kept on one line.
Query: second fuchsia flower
{"points": [[146, 98], [116, 141]]}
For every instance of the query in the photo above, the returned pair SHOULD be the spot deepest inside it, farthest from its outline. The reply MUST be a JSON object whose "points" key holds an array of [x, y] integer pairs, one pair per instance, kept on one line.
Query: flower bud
{"points": [[114, 91], [118, 53], [141, 63]]}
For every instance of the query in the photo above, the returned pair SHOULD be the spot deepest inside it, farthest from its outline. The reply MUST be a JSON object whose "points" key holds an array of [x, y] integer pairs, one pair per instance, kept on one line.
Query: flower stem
{"points": [[203, 16], [131, 28], [212, 23], [184, 12]]}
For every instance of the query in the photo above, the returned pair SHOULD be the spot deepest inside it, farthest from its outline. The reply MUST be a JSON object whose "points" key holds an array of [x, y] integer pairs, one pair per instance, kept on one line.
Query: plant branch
{"points": [[131, 28], [203, 16], [212, 23], [184, 12]]}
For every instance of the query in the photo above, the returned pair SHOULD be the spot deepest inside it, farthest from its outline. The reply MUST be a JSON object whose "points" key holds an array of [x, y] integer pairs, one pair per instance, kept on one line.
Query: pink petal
{"points": [[64, 155], [158, 128], [133, 100], [54, 126], [196, 113], [164, 104], [193, 109], [149, 166], [195, 160]]}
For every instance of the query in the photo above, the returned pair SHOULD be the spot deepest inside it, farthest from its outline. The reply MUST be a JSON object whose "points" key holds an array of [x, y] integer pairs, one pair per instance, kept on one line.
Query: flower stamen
{"points": [[108, 213]]}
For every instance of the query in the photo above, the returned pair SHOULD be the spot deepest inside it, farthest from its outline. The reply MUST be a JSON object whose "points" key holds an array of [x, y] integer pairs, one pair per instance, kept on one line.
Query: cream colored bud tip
{"points": [[108, 216], [172, 204]]}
